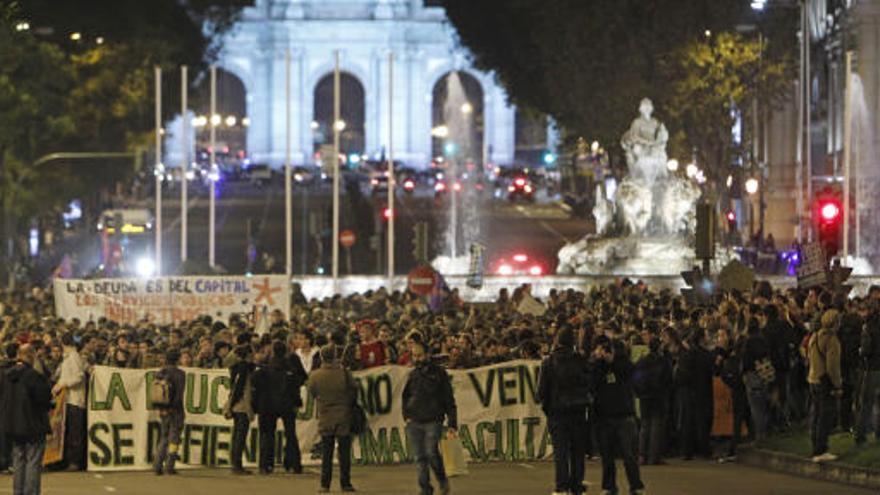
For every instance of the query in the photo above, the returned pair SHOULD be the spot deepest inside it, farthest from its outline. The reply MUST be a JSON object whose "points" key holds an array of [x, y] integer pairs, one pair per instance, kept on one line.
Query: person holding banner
{"points": [[25, 402], [565, 392], [73, 379], [171, 414], [427, 399], [335, 393]]}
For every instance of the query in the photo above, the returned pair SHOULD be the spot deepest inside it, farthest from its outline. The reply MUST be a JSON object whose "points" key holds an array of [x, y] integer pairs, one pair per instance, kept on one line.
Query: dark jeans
{"points": [[423, 440], [740, 416], [292, 456], [822, 411], [618, 438], [170, 428], [569, 432], [27, 460], [868, 398], [5, 452], [759, 406], [240, 426], [328, 443], [75, 436], [651, 436]]}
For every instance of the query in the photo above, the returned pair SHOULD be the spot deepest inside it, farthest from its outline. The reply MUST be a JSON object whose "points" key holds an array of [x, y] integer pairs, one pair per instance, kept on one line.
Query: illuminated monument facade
{"points": [[364, 32]]}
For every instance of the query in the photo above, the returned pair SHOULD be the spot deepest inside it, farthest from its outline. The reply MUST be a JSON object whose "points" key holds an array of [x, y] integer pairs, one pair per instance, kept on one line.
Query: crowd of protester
{"points": [[780, 352]]}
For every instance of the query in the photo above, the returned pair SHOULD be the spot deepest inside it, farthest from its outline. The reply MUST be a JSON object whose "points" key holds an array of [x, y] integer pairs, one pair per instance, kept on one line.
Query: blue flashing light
{"points": [[549, 158]]}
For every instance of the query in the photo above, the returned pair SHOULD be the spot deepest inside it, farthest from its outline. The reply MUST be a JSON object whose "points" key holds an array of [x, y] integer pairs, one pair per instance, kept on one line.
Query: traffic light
{"points": [[731, 220], [420, 241], [830, 214]]}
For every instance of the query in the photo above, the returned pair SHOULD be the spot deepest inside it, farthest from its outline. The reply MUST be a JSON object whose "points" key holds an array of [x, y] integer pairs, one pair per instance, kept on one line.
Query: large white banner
{"points": [[170, 299], [499, 418]]}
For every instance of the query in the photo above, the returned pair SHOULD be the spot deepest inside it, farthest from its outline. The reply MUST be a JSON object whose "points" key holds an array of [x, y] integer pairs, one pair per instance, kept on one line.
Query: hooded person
{"points": [[826, 383]]}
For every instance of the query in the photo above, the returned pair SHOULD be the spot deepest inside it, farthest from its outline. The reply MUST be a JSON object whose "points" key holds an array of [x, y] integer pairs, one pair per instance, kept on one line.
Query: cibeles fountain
{"points": [[647, 228]]}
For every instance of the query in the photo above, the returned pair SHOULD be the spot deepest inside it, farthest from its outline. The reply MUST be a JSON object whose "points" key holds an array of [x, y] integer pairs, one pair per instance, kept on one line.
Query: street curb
{"points": [[827, 471]]}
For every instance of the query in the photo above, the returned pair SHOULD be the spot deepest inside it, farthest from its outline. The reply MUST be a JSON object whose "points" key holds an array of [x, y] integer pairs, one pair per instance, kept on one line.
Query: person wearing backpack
{"points": [[826, 382], [652, 384], [565, 392], [169, 385], [869, 351], [428, 400]]}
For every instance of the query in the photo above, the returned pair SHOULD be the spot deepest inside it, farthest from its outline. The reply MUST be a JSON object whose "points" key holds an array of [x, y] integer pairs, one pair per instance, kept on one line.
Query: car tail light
{"points": [[440, 187], [374, 182], [457, 186], [520, 258], [505, 270], [511, 188], [536, 270], [528, 189], [409, 185], [520, 182]]}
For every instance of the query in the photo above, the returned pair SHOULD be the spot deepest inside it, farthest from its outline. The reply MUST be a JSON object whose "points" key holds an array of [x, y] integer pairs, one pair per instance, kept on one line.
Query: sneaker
{"points": [[826, 457], [348, 488], [726, 459], [324, 489]]}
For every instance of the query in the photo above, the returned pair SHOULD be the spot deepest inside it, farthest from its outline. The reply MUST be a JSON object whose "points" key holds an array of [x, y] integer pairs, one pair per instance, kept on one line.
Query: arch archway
{"points": [[352, 111], [231, 131], [457, 118]]}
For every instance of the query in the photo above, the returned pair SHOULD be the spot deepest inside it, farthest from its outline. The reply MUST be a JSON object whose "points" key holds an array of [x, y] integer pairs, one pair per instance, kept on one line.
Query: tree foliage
{"points": [[588, 63], [714, 79]]}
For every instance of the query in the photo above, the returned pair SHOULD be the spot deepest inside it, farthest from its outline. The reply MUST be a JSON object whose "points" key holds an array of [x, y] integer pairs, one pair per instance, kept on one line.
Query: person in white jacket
{"points": [[72, 379]]}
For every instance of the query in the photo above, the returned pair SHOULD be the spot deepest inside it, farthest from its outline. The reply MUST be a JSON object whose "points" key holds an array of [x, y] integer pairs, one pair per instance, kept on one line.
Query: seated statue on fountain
{"points": [[648, 228]]}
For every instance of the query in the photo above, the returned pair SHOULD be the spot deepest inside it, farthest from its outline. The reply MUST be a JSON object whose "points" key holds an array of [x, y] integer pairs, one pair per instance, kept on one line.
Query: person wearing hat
{"points": [[826, 383], [427, 400], [335, 393]]}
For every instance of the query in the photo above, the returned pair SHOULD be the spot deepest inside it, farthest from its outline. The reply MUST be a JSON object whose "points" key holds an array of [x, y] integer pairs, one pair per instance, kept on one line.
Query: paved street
{"points": [[693, 478], [538, 229]]}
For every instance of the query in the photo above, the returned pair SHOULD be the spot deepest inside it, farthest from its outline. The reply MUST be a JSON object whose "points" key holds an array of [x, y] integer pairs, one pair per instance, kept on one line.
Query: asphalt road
{"points": [[678, 478], [538, 229]]}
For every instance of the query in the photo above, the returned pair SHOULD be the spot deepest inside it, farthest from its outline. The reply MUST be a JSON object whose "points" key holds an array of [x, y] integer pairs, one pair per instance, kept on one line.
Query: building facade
{"points": [[363, 33]]}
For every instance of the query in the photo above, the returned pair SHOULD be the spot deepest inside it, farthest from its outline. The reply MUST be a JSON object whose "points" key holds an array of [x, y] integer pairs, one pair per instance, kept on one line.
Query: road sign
{"points": [[347, 238], [422, 280]]}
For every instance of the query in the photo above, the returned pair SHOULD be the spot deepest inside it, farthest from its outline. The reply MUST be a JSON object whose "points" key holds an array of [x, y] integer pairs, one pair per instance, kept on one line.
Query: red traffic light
{"points": [[731, 216], [829, 211], [387, 213]]}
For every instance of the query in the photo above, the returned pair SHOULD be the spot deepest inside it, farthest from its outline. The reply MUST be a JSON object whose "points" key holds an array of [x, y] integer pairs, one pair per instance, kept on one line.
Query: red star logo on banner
{"points": [[265, 291]]}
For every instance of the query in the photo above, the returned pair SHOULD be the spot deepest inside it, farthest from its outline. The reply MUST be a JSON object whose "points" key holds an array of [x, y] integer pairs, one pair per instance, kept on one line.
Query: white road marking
{"points": [[527, 466], [109, 489]]}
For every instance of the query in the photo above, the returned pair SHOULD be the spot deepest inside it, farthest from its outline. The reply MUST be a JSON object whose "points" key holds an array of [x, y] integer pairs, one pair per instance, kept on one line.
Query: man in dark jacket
{"points": [[693, 378], [652, 381], [241, 405], [756, 351], [25, 401], [171, 415], [565, 390], [427, 400], [277, 395], [870, 354], [7, 361], [615, 411]]}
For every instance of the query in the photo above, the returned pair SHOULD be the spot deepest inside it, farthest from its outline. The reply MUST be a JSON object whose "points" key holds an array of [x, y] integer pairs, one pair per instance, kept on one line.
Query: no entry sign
{"points": [[347, 238], [422, 280]]}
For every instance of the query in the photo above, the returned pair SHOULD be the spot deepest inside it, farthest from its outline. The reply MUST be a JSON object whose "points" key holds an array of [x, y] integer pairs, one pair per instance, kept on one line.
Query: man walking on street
{"points": [[171, 413], [427, 399], [241, 405], [25, 402], [73, 379], [335, 394], [565, 392]]}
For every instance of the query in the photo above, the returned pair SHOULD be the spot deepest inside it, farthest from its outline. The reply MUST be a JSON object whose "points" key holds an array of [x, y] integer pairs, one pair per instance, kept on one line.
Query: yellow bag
{"points": [[452, 453]]}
